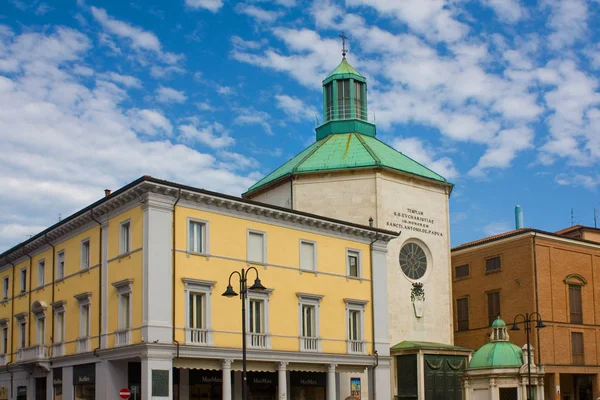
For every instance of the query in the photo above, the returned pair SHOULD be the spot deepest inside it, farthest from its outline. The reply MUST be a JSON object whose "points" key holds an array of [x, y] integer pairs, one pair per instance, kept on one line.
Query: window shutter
{"points": [[256, 247], [307, 256]]}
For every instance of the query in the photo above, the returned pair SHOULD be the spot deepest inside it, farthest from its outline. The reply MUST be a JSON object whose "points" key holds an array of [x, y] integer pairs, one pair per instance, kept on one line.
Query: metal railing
{"points": [[83, 344], [310, 344], [122, 338], [356, 347], [257, 340], [197, 336], [58, 349]]}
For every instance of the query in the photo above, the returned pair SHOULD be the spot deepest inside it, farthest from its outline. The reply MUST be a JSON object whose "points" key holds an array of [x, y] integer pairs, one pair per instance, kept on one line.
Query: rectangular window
{"points": [[41, 331], [60, 265], [196, 235], [308, 255], [125, 237], [256, 316], [343, 88], [309, 320], [256, 247], [353, 263], [575, 304], [85, 254], [462, 312], [354, 325], [461, 271], [493, 299], [577, 348], [84, 322], [125, 311], [4, 339], [41, 272], [360, 108], [23, 334], [329, 102], [5, 288], [492, 264], [196, 311], [60, 327], [23, 283]]}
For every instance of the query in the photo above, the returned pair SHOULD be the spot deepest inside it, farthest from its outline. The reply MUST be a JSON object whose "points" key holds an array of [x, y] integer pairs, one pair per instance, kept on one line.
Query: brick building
{"points": [[526, 270]]}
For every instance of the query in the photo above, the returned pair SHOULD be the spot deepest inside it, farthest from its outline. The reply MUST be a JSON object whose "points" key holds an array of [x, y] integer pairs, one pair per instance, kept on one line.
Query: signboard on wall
{"points": [[160, 382], [355, 387]]}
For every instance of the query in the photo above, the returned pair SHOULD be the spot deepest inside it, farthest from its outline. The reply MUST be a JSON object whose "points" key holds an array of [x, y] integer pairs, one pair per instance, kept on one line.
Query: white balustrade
{"points": [[356, 347], [310, 344], [122, 338], [83, 344], [257, 340], [197, 336]]}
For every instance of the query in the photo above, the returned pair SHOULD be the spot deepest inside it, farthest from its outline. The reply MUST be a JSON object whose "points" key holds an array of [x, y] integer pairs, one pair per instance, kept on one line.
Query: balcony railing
{"points": [[197, 336], [2, 359], [356, 347], [359, 111], [32, 353], [122, 338], [83, 344], [312, 344], [257, 340], [58, 349]]}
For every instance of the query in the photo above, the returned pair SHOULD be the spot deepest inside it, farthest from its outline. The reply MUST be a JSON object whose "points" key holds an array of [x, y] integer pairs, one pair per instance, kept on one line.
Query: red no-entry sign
{"points": [[124, 393]]}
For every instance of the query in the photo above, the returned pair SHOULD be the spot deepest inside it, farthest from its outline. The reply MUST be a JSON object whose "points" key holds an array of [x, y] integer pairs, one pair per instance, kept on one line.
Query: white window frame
{"points": [[60, 269], [59, 308], [40, 320], [205, 235], [41, 273], [356, 305], [264, 239], [84, 300], [23, 282], [263, 296], [358, 253], [5, 287], [22, 328], [316, 268], [5, 344], [314, 300], [85, 264], [123, 288], [125, 243], [204, 288]]}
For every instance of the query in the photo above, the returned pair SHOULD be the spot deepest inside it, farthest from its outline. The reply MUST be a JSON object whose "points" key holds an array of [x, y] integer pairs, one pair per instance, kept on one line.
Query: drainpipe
{"points": [[99, 282], [537, 301], [12, 329], [29, 300], [373, 311], [174, 273], [53, 278]]}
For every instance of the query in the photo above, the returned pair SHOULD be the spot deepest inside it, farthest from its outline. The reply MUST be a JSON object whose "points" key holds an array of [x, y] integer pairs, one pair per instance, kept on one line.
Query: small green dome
{"points": [[344, 71], [497, 355], [498, 323]]}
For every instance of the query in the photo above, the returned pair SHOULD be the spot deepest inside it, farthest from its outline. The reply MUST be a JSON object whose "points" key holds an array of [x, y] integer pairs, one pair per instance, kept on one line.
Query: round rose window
{"points": [[413, 261]]}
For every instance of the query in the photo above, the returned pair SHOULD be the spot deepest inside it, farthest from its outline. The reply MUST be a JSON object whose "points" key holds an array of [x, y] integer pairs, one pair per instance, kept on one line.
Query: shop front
{"points": [[262, 385], [21, 392], [205, 384], [308, 385], [57, 383], [84, 381]]}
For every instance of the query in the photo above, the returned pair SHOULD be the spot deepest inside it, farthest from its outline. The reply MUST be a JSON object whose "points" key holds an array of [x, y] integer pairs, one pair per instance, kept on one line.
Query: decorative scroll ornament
{"points": [[456, 367], [434, 366], [417, 296]]}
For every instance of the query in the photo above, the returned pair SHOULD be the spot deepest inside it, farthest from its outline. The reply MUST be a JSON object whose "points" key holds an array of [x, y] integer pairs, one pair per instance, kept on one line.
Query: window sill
{"points": [[124, 255], [23, 293], [310, 271], [354, 278], [462, 278], [494, 271]]}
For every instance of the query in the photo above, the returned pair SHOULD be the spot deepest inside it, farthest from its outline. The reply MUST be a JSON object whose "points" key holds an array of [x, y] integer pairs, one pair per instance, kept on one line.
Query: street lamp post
{"points": [[527, 319], [243, 276]]}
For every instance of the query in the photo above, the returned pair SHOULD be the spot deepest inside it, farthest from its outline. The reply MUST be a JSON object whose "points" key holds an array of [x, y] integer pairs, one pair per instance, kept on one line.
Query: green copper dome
{"points": [[346, 151], [499, 353], [343, 71]]}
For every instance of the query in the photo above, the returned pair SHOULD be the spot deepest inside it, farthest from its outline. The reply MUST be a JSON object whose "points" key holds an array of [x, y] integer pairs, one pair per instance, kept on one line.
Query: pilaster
{"points": [[331, 386], [380, 298], [104, 285], [227, 379], [282, 380], [154, 370]]}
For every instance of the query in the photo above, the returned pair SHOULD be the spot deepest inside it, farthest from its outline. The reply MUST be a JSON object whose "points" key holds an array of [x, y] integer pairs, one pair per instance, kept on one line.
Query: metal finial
{"points": [[344, 49]]}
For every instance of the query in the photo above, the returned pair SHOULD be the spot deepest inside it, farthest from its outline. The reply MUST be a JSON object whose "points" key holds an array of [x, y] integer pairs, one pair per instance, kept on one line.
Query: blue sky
{"points": [[499, 96]]}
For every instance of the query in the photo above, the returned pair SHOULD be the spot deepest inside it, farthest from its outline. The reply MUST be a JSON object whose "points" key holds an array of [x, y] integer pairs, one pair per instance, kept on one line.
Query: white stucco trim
{"points": [[264, 296], [357, 252], [264, 236], [205, 288], [315, 301], [125, 243], [205, 235], [315, 257]]}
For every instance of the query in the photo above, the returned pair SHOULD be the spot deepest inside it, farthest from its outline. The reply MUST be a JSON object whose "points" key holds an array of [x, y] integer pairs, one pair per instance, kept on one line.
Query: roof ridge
{"points": [[310, 153], [367, 148]]}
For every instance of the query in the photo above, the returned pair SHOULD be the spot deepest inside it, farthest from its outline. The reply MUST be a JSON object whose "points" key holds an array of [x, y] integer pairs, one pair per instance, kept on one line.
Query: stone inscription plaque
{"points": [[160, 382]]}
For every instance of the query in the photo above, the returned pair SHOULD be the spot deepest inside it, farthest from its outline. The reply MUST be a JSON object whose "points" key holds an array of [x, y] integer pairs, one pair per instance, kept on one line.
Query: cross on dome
{"points": [[344, 49]]}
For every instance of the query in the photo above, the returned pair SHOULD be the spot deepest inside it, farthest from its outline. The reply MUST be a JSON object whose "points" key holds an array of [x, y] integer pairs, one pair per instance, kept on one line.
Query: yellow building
{"points": [[126, 293]]}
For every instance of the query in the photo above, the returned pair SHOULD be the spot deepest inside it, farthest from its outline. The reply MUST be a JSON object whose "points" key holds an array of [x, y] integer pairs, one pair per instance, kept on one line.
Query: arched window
{"points": [[575, 284]]}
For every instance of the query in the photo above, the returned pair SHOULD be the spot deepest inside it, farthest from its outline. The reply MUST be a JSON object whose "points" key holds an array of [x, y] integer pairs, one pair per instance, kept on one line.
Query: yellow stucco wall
{"points": [[227, 238]]}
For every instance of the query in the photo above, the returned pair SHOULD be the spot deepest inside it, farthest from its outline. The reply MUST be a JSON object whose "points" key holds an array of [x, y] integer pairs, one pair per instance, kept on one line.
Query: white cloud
{"points": [[259, 14], [210, 5], [250, 116], [295, 108], [509, 11], [139, 38], [568, 20], [170, 95], [150, 122], [426, 155], [503, 149], [212, 135], [125, 80], [495, 228], [587, 181]]}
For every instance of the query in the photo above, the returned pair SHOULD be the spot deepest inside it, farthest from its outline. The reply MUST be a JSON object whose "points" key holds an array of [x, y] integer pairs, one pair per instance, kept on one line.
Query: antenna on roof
{"points": [[344, 49], [59, 217], [595, 217], [572, 218]]}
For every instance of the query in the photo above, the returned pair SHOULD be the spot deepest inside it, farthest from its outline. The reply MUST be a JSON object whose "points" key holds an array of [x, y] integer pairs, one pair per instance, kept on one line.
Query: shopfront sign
{"points": [[261, 378], [22, 391], [318, 379], [57, 377], [199, 376], [160, 382], [84, 374]]}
